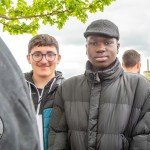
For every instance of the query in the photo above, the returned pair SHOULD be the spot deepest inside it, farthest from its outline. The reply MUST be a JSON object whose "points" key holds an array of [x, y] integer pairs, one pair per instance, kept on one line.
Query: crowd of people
{"points": [[105, 108]]}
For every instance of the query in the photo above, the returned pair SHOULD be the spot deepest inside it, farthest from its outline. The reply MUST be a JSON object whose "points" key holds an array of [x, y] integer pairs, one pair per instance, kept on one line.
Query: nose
{"points": [[100, 48], [44, 60]]}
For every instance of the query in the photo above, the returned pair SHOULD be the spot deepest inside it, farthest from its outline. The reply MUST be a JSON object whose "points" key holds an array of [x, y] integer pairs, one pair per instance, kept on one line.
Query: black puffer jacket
{"points": [[107, 110]]}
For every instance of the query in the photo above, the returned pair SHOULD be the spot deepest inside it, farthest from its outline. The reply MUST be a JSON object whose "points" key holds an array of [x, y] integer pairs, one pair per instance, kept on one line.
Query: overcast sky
{"points": [[131, 16]]}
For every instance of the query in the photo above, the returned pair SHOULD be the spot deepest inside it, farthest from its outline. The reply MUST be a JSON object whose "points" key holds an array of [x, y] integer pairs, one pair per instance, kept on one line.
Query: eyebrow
{"points": [[41, 52]]}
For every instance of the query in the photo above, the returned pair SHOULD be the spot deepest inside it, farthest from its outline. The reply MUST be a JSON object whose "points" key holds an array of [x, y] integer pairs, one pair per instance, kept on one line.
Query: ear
{"points": [[118, 46], [58, 59], [29, 59], [86, 48], [138, 65], [122, 65]]}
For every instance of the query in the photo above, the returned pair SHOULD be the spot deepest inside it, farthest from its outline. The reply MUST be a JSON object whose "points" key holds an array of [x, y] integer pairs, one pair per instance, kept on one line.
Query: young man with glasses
{"points": [[43, 80]]}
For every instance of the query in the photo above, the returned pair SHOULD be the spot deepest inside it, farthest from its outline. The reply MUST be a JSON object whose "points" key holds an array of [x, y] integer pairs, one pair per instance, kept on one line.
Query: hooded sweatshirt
{"points": [[43, 101]]}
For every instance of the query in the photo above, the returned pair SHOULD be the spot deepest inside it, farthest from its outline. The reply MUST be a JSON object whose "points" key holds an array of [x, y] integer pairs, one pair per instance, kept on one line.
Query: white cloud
{"points": [[131, 16]]}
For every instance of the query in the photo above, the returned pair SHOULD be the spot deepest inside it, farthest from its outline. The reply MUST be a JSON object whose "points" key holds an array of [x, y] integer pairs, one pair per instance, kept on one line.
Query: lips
{"points": [[101, 58], [43, 65]]}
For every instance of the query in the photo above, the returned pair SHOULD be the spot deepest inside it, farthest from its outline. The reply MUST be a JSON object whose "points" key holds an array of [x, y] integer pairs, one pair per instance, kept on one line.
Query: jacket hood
{"points": [[57, 79], [107, 75], [28, 75]]}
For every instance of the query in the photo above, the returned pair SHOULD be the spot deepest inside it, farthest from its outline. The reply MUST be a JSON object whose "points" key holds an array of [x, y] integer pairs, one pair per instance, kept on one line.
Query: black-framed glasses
{"points": [[50, 57]]}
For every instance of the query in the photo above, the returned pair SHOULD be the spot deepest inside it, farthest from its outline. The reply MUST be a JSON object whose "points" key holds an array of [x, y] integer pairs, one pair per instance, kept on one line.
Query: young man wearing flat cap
{"points": [[104, 108]]}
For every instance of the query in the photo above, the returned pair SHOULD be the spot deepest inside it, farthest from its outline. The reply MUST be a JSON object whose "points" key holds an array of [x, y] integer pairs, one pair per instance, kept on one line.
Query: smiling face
{"points": [[44, 68], [101, 51]]}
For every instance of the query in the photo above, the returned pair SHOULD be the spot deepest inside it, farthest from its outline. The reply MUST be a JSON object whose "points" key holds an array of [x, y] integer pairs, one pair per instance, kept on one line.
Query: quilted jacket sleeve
{"points": [[18, 126], [58, 128], [141, 133]]}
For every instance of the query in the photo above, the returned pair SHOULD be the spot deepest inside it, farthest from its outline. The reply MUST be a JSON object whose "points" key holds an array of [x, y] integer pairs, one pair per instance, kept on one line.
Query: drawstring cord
{"points": [[40, 96]]}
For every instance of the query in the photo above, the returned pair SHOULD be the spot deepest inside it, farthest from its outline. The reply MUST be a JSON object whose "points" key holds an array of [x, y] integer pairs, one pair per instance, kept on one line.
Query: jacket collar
{"points": [[108, 75], [58, 75]]}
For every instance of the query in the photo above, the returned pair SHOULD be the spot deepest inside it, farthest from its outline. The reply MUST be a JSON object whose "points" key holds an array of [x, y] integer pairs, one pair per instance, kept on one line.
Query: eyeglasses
{"points": [[50, 57]]}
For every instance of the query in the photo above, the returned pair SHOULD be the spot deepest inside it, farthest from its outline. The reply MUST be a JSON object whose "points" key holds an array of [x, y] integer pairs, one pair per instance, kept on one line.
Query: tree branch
{"points": [[34, 16]]}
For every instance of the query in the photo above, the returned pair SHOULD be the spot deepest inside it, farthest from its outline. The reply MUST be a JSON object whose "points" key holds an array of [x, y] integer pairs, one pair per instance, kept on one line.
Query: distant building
{"points": [[147, 72]]}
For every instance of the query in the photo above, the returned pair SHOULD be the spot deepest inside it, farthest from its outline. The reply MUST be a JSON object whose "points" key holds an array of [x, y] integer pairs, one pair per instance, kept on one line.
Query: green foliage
{"points": [[147, 74], [25, 17]]}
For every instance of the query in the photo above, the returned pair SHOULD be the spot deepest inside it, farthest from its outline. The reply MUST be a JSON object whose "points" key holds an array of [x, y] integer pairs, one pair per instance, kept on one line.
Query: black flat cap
{"points": [[102, 27]]}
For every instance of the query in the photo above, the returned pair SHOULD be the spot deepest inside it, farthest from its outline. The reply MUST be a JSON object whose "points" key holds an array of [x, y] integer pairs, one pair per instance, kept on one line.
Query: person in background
{"points": [[131, 61], [104, 108], [18, 126], [43, 80]]}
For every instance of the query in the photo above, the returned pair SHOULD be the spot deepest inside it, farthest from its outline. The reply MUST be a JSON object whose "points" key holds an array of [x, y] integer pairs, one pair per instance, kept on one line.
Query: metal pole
{"points": [[147, 64]]}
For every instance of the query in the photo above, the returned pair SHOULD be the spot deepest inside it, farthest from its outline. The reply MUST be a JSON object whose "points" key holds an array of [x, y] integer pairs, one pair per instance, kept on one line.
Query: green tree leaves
{"points": [[27, 16]]}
